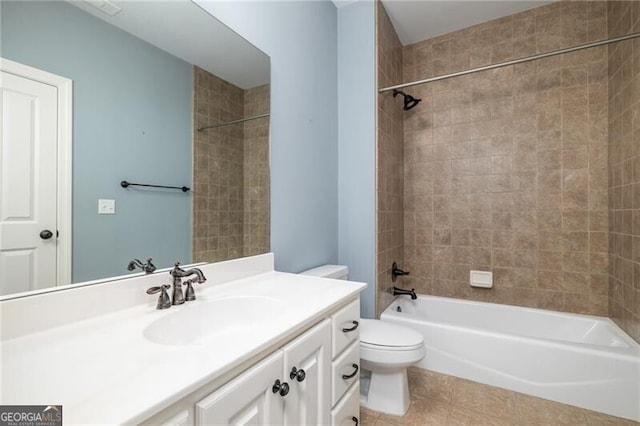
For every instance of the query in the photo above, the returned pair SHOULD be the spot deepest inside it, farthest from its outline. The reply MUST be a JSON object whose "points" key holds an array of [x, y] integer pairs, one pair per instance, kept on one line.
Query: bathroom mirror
{"points": [[155, 86]]}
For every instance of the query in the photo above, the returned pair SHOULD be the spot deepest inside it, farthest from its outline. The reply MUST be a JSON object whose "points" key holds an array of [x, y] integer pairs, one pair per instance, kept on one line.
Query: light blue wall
{"points": [[300, 38], [132, 120], [322, 130], [357, 146]]}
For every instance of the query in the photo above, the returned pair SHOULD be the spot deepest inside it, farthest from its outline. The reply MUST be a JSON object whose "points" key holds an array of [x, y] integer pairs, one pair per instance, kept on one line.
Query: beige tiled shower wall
{"points": [[256, 172], [506, 170], [389, 185], [624, 168], [230, 171]]}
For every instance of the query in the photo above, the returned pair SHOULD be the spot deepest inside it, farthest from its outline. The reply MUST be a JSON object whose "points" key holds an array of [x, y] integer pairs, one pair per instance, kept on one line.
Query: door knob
{"points": [[46, 234]]}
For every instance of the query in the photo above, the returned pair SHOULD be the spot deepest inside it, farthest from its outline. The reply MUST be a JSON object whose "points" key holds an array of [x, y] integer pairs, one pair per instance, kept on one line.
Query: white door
{"points": [[246, 400], [28, 184], [308, 402], [35, 178]]}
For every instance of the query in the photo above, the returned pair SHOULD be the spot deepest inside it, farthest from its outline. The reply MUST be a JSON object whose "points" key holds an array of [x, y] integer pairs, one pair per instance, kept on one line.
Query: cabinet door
{"points": [[246, 400], [308, 402]]}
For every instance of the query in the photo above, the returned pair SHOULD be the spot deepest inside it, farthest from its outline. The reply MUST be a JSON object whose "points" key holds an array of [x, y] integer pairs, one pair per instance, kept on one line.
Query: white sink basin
{"points": [[214, 321]]}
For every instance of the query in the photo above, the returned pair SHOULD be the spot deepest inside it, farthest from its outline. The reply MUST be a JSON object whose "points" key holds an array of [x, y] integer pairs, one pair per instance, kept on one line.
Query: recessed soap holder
{"points": [[482, 279]]}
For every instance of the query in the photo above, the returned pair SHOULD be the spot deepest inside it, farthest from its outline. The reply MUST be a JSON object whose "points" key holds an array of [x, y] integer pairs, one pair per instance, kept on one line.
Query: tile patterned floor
{"points": [[438, 399]]}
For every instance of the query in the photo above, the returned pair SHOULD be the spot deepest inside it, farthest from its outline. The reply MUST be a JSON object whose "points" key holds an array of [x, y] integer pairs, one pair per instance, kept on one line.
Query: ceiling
{"points": [[415, 21], [183, 29], [180, 26]]}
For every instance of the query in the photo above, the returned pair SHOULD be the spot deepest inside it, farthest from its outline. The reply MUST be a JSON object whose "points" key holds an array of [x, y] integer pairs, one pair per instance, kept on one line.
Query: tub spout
{"points": [[400, 291]]}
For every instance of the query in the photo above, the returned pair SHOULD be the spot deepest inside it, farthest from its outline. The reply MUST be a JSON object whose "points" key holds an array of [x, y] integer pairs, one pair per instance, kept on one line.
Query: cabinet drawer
{"points": [[344, 366], [347, 412], [345, 327]]}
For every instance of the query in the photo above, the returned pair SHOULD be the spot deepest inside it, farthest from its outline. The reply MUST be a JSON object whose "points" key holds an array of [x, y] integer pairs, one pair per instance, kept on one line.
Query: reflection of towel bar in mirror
{"points": [[126, 184], [228, 123]]}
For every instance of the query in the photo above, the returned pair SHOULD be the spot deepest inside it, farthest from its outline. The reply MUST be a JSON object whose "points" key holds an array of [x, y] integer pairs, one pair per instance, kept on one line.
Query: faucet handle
{"points": [[397, 272], [164, 301], [156, 289], [190, 293], [149, 267]]}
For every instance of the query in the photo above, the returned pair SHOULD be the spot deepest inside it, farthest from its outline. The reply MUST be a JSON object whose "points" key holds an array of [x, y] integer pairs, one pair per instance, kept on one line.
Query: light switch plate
{"points": [[106, 206]]}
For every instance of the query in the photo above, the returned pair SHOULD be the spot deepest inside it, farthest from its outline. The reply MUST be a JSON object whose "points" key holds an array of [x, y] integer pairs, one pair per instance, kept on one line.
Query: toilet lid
{"points": [[382, 333]]}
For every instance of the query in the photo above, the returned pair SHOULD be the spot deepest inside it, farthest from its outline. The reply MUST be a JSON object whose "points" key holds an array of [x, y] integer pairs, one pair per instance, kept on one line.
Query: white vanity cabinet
{"points": [[214, 360], [300, 396], [311, 387]]}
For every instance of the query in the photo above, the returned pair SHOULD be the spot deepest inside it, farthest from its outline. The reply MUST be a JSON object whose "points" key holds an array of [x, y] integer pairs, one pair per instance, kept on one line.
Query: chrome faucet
{"points": [[400, 291], [178, 273]]}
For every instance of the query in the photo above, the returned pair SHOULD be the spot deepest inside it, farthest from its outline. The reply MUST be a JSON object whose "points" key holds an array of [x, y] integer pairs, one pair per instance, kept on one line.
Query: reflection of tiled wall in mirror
{"points": [[256, 172], [230, 170]]}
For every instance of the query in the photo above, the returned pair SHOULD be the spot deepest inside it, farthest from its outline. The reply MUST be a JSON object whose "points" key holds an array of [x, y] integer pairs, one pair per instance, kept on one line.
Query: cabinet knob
{"points": [[299, 375], [355, 420], [355, 325], [352, 375], [281, 388]]}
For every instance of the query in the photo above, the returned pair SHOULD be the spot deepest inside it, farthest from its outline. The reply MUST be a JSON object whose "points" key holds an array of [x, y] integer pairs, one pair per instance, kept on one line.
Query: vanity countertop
{"points": [[104, 370]]}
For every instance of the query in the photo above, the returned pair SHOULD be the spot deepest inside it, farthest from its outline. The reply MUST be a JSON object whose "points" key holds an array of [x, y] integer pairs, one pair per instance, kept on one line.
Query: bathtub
{"points": [[581, 360]]}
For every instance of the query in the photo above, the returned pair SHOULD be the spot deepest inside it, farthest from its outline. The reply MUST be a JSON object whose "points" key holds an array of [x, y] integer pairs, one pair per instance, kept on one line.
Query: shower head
{"points": [[409, 101]]}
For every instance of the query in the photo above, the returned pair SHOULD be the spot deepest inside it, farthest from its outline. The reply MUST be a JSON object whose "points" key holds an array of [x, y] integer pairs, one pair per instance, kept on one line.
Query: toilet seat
{"points": [[390, 348], [377, 334]]}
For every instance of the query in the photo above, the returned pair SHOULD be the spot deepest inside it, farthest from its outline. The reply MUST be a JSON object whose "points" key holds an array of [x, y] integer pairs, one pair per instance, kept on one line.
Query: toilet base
{"points": [[388, 392]]}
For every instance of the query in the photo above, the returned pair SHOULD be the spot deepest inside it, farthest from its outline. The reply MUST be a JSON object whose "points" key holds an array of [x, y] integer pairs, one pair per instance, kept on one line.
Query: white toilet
{"points": [[386, 350]]}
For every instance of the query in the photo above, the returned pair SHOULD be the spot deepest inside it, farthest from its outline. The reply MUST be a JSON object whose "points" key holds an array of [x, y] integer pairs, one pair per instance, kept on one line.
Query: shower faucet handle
{"points": [[397, 272]]}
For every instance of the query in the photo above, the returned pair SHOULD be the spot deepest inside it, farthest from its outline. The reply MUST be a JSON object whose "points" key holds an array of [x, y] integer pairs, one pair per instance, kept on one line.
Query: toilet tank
{"points": [[338, 272]]}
